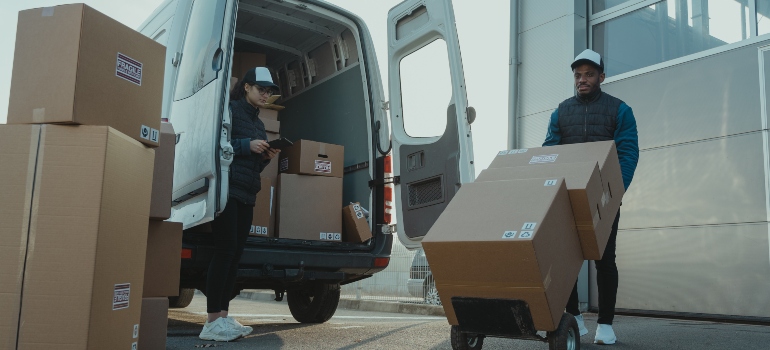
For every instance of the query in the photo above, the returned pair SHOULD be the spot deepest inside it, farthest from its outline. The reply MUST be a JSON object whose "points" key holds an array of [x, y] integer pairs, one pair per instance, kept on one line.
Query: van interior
{"points": [[315, 61]]}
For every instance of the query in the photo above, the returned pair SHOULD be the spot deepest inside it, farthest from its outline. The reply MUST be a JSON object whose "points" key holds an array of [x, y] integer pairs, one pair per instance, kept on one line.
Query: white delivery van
{"points": [[323, 59]]}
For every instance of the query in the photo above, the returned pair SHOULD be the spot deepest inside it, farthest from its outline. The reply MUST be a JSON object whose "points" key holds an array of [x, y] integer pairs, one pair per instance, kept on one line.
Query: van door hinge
{"points": [[176, 59], [388, 180]]}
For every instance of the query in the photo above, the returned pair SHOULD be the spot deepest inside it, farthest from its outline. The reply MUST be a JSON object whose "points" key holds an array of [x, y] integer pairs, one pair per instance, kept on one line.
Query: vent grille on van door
{"points": [[426, 192]]}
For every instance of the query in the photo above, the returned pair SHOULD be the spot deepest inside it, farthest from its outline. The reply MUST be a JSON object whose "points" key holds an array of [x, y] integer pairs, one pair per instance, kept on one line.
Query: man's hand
{"points": [[270, 153], [258, 146]]}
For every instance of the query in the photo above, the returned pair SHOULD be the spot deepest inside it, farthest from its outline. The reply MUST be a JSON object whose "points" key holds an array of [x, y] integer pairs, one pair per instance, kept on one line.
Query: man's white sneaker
{"points": [[605, 335], [581, 325], [219, 330], [245, 330]]}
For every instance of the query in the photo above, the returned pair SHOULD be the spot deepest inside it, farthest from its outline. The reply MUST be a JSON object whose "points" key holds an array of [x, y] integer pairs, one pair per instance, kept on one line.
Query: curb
{"points": [[362, 305]]}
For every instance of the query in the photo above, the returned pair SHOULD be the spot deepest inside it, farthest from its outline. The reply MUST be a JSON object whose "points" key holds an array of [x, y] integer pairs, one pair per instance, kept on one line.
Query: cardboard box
{"points": [[308, 207], [312, 158], [243, 61], [163, 175], [271, 126], [18, 156], [603, 152], [584, 184], [87, 234], [507, 239], [163, 261], [355, 227], [269, 114], [153, 326], [74, 65], [261, 225]]}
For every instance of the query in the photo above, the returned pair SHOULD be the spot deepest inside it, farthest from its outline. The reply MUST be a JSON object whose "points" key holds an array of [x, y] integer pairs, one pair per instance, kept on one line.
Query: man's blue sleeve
{"points": [[627, 143], [241, 147], [554, 134]]}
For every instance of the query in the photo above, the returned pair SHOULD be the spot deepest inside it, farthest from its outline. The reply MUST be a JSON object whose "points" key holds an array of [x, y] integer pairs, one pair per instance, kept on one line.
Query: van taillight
{"points": [[381, 262], [388, 190], [186, 253]]}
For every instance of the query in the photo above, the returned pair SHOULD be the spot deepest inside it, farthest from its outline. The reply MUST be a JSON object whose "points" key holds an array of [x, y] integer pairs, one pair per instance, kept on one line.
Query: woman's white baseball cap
{"points": [[260, 76]]}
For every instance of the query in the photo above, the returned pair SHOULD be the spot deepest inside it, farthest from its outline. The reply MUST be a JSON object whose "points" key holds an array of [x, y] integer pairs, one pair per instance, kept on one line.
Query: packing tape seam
{"points": [[38, 115], [34, 158]]}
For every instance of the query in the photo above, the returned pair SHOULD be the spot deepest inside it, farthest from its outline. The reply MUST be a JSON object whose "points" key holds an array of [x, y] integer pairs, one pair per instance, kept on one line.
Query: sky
{"points": [[483, 32]]}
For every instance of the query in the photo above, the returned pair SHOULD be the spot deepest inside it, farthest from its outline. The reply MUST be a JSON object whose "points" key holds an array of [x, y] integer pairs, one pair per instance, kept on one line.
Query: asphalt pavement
{"points": [[274, 328]]}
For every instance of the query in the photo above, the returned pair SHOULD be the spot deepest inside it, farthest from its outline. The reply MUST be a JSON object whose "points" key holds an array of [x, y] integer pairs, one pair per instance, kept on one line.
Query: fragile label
{"points": [[331, 236], [529, 226], [136, 331], [509, 234], [129, 69], [547, 158], [551, 182], [526, 234], [323, 166], [284, 164], [149, 134], [121, 296]]}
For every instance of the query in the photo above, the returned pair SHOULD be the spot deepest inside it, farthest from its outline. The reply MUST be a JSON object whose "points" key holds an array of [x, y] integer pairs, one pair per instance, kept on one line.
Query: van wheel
{"points": [[431, 293], [463, 341], [183, 300], [315, 303], [566, 336]]}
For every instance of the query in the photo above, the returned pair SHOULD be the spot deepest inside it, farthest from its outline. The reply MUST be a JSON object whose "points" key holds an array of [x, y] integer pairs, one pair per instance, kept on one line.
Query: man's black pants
{"points": [[606, 280], [230, 230]]}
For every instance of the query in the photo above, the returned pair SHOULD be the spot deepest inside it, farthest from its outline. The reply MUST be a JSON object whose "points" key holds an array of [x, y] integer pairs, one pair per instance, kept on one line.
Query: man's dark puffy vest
{"points": [[244, 170], [588, 121]]}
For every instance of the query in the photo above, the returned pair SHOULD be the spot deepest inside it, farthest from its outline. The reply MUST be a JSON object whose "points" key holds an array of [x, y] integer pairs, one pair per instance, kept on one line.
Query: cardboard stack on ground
{"points": [[507, 240], [79, 249]]}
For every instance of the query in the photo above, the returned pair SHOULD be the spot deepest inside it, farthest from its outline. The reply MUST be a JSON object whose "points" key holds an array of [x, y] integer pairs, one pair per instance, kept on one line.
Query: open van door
{"points": [[199, 108], [428, 169]]}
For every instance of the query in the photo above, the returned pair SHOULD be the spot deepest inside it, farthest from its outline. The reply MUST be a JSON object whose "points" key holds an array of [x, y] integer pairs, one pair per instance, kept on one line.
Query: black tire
{"points": [[462, 341], [315, 303], [430, 293], [566, 336], [183, 300]]}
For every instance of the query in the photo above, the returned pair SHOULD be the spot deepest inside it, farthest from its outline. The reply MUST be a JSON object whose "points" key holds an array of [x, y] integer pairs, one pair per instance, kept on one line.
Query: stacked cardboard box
{"points": [[310, 191], [356, 228], [522, 230], [78, 196]]}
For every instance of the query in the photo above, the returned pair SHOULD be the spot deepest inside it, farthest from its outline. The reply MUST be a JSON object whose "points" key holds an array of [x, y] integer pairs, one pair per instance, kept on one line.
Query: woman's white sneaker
{"points": [[245, 330], [581, 325], [605, 335], [219, 330]]}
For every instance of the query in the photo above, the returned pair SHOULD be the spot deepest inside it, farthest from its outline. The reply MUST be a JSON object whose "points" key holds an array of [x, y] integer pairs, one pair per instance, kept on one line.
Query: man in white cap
{"points": [[589, 116]]}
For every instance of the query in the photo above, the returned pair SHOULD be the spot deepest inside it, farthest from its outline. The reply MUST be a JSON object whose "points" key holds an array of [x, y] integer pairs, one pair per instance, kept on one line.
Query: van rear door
{"points": [[199, 109], [429, 168]]}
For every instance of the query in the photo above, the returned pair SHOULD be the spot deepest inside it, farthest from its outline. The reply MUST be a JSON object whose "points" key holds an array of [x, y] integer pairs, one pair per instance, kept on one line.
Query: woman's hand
{"points": [[271, 153], [258, 146]]}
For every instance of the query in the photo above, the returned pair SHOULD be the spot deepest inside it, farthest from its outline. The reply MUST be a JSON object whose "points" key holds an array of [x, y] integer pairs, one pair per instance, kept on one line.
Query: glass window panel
{"points": [[601, 5], [204, 33], [763, 16], [426, 90], [667, 30]]}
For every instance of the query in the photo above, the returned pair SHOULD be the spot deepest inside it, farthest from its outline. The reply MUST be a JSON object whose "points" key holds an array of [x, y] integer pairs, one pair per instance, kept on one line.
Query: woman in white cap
{"points": [[231, 227]]}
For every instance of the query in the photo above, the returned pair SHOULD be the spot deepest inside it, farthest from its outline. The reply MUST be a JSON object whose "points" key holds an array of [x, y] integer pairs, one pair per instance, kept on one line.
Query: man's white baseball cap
{"points": [[588, 56]]}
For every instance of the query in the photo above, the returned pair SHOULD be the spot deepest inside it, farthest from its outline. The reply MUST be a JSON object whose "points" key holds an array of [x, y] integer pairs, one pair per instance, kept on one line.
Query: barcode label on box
{"points": [[509, 234], [149, 134], [551, 182], [129, 69], [547, 158], [121, 296], [284, 164], [330, 236], [323, 166]]}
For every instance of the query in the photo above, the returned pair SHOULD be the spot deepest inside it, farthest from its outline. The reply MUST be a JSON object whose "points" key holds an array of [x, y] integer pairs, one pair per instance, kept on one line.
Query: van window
{"points": [[426, 90], [204, 34]]}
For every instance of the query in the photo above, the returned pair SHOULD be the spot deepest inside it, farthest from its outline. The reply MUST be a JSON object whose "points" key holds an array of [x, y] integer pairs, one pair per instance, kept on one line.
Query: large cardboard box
{"points": [[584, 184], [74, 65], [163, 261], [260, 224], [307, 157], [271, 126], [163, 175], [309, 207], [510, 240], [268, 114], [83, 246], [603, 152], [355, 227], [243, 61], [153, 325], [18, 156]]}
